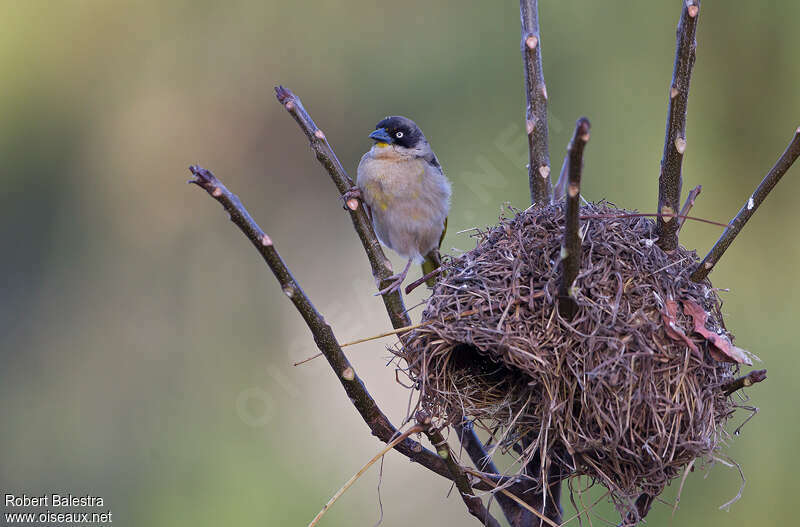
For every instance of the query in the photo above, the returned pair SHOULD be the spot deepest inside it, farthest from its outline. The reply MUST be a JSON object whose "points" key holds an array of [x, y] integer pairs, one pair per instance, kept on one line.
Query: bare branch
{"points": [[570, 185], [749, 208], [323, 334], [381, 268], [688, 204], [744, 381], [571, 246], [670, 179], [536, 110], [474, 504]]}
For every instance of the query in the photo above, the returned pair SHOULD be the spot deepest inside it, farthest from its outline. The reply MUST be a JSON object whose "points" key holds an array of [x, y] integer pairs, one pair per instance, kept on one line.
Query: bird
{"points": [[406, 194]]}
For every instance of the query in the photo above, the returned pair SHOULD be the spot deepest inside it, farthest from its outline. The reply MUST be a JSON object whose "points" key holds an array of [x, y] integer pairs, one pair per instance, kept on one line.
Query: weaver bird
{"points": [[406, 193]]}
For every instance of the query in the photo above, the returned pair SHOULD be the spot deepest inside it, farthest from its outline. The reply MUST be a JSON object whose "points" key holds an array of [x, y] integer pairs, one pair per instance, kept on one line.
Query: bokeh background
{"points": [[146, 350]]}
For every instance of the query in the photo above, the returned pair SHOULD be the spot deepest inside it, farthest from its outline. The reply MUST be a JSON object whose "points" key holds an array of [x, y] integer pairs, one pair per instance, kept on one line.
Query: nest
{"points": [[626, 392]]}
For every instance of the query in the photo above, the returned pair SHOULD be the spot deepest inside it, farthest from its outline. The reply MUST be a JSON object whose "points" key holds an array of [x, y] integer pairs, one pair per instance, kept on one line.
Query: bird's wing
{"points": [[433, 259], [430, 157]]}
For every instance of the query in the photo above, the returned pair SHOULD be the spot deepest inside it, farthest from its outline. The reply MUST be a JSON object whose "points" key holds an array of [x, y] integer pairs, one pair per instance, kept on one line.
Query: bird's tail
{"points": [[431, 263]]}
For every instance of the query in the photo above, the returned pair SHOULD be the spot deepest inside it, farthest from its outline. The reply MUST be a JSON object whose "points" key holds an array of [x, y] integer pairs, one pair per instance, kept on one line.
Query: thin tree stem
{"points": [[571, 244], [323, 334], [749, 208], [536, 109], [539, 158], [670, 180], [688, 204]]}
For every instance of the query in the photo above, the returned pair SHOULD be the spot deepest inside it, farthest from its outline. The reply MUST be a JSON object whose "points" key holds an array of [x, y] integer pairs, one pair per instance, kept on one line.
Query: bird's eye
{"points": [[398, 135]]}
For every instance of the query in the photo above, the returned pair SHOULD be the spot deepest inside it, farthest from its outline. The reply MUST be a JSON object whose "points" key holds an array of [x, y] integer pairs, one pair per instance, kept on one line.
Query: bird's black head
{"points": [[397, 130]]}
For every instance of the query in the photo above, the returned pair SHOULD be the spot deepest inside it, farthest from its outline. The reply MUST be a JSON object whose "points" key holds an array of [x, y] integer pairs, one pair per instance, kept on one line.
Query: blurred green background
{"points": [[147, 351]]}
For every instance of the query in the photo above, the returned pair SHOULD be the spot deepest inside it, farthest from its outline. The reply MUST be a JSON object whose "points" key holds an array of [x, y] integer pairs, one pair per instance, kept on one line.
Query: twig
{"points": [[571, 245], [413, 430], [326, 341], [748, 209], [651, 215], [688, 204], [381, 268], [474, 504], [368, 339], [670, 179], [536, 110], [415, 284], [744, 381]]}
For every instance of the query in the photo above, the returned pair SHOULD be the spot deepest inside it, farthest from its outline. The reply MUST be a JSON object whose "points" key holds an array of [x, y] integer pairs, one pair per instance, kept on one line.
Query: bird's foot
{"points": [[397, 281], [351, 197]]}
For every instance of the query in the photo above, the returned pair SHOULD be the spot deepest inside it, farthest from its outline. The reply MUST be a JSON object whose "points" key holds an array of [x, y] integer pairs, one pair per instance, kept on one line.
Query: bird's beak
{"points": [[381, 136]]}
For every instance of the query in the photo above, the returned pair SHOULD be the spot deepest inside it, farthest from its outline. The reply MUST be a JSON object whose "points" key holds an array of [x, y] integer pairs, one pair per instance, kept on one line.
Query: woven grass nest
{"points": [[627, 392]]}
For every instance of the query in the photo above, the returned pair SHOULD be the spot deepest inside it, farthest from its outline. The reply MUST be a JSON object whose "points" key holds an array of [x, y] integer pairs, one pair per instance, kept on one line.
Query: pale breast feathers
{"points": [[409, 199]]}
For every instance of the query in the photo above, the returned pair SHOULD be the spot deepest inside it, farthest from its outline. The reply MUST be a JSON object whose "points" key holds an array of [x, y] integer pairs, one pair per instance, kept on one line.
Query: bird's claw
{"points": [[351, 197], [397, 281]]}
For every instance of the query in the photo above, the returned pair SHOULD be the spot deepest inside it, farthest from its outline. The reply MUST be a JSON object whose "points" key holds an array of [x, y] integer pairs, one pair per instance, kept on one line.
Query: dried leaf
{"points": [[673, 330], [721, 349]]}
